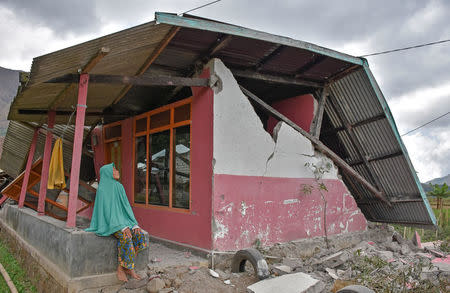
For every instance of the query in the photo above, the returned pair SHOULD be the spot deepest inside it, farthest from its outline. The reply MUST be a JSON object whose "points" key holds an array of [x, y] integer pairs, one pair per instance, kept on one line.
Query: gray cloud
{"points": [[60, 16]]}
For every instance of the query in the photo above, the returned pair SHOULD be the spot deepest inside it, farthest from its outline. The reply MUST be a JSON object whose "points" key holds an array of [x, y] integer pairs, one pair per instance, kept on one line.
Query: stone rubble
{"points": [[383, 261]]}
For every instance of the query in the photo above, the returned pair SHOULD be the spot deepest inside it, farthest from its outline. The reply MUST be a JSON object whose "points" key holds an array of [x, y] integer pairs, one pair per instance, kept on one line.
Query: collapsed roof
{"points": [[357, 123]]}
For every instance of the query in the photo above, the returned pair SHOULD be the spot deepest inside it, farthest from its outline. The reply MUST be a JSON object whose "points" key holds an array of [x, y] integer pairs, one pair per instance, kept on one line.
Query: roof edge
{"points": [[203, 24], [391, 120]]}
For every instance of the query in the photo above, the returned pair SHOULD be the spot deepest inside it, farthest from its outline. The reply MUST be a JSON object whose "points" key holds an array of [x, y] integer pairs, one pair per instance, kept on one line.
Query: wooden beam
{"points": [[44, 132], [275, 78], [67, 113], [319, 145], [86, 69], [311, 64], [220, 43], [376, 158], [354, 140], [317, 121], [343, 73], [162, 45], [356, 124], [276, 50], [134, 80]]}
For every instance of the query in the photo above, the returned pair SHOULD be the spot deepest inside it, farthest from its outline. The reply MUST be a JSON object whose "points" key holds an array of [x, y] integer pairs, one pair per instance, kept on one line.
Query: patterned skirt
{"points": [[129, 247]]}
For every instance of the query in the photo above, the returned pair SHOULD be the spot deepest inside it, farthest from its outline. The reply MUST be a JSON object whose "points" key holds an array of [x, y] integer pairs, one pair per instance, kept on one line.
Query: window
{"points": [[112, 134], [162, 145]]}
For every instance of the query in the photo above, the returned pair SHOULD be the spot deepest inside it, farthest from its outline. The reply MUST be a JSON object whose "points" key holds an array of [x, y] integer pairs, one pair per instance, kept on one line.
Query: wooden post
{"points": [[77, 147], [46, 163], [317, 122], [23, 191]]}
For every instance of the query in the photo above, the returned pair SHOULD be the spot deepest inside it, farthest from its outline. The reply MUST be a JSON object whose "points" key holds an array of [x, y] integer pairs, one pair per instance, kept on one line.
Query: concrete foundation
{"points": [[59, 259]]}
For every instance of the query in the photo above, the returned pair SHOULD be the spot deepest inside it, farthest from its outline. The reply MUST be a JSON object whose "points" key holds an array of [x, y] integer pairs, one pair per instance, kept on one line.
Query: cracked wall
{"points": [[259, 180]]}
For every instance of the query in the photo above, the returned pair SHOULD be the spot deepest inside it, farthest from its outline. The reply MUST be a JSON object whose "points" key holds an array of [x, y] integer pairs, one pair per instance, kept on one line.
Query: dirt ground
{"points": [[378, 258]]}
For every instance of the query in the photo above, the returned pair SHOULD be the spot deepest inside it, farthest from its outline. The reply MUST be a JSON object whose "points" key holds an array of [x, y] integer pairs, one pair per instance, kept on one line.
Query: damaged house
{"points": [[224, 136]]}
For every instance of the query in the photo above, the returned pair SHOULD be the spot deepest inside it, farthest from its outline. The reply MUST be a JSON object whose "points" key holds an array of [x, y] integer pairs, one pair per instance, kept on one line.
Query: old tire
{"points": [[355, 289], [256, 259]]}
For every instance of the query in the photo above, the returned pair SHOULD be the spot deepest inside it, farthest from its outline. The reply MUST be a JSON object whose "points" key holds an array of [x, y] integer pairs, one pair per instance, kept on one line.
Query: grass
{"points": [[15, 271]]}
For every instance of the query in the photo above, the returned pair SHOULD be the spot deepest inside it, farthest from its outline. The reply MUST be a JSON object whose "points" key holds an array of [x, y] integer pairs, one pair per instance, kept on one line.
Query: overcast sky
{"points": [[416, 83]]}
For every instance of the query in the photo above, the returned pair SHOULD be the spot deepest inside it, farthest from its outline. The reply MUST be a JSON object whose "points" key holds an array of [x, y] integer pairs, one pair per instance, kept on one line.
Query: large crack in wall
{"points": [[245, 153]]}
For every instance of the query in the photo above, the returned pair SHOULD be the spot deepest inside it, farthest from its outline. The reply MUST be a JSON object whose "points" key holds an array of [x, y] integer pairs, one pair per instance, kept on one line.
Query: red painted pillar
{"points": [[77, 147], [23, 191], [46, 162]]}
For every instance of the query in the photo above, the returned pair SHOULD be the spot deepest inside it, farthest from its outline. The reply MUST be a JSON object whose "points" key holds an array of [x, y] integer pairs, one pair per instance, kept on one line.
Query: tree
{"points": [[440, 192]]}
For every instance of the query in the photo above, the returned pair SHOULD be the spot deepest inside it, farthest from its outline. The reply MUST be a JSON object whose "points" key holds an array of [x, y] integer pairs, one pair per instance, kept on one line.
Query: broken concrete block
{"points": [[155, 285], [335, 260], [134, 284], [227, 282], [213, 273], [405, 250], [435, 252], [398, 238], [281, 270], [290, 283], [394, 247], [424, 255], [385, 255], [332, 273], [416, 240]]}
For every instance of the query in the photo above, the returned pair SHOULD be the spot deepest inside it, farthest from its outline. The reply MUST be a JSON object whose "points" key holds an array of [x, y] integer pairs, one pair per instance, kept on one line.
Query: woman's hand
{"points": [[137, 230], [127, 233]]}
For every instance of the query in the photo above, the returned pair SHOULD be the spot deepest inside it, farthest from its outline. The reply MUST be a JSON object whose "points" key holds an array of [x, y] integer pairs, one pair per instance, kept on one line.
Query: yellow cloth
{"points": [[56, 179]]}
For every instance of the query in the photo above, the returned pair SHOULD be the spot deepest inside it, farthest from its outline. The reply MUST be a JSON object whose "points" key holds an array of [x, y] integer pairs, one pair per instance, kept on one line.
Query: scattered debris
{"points": [[355, 289], [155, 285], [416, 240], [281, 270], [213, 273], [227, 282]]}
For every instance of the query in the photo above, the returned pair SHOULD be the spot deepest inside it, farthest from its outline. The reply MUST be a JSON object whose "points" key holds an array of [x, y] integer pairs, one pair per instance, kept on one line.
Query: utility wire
{"points": [[407, 48], [204, 5], [426, 124]]}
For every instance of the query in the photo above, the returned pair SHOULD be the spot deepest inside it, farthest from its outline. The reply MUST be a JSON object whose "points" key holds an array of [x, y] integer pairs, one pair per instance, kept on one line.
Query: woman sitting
{"points": [[113, 216]]}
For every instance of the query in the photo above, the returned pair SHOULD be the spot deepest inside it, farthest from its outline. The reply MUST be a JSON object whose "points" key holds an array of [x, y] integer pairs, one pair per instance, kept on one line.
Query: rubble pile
{"points": [[390, 264]]}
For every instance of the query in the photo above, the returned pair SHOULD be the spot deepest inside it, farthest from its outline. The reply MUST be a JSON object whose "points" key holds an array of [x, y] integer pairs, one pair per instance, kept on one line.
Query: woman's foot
{"points": [[121, 275], [132, 274]]}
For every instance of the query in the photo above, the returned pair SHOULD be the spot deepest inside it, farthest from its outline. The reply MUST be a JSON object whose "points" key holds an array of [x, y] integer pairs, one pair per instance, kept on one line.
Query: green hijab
{"points": [[112, 211]]}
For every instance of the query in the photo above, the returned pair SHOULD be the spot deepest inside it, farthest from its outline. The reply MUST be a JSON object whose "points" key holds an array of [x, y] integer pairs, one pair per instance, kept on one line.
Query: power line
{"points": [[204, 5], [407, 48], [426, 124]]}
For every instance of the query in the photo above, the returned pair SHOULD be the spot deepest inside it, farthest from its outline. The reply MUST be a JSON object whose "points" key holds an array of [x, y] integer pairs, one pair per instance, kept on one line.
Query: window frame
{"points": [[171, 126], [107, 152]]}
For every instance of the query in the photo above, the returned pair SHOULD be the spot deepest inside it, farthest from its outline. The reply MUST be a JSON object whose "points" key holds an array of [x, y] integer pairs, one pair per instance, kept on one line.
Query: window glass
{"points": [[113, 132], [159, 157], [115, 154], [181, 174], [182, 113], [141, 124], [140, 170], [160, 119]]}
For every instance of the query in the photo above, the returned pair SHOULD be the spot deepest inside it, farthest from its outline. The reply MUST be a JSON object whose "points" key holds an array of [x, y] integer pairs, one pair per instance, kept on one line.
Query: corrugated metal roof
{"points": [[129, 49], [358, 97], [17, 145]]}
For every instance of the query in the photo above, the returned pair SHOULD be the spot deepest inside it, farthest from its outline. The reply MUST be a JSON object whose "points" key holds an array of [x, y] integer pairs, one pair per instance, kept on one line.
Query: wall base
{"points": [[58, 259]]}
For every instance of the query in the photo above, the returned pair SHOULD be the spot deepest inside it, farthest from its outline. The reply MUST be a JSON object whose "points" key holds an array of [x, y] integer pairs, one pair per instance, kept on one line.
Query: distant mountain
{"points": [[440, 181], [9, 81]]}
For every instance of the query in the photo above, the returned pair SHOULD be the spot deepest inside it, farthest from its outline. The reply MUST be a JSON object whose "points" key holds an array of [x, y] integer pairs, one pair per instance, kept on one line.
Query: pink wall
{"points": [[192, 228], [274, 210], [299, 109]]}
